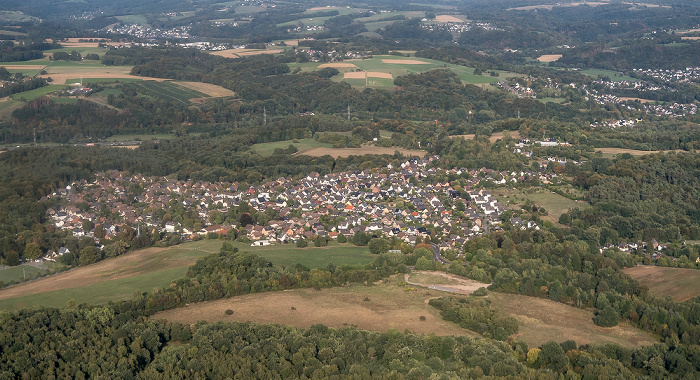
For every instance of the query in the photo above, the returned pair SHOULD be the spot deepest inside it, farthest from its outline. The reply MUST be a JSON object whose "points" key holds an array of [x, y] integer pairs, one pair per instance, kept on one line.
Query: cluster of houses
{"points": [[652, 248], [140, 31], [518, 89], [689, 74], [405, 202], [621, 123]]}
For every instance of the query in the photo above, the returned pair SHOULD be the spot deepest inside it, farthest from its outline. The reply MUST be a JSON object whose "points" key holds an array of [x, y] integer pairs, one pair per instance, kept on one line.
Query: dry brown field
{"points": [[61, 74], [541, 320], [634, 152], [237, 53], [368, 74], [678, 283], [337, 65], [549, 57], [369, 149], [447, 18], [405, 62], [208, 88], [691, 38], [377, 308]]}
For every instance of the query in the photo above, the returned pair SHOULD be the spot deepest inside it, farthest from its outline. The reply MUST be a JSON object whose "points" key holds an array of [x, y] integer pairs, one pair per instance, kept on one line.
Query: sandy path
{"points": [[463, 285]]}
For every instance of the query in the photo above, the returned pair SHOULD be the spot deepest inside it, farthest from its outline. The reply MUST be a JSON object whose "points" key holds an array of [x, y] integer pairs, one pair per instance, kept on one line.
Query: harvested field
{"points": [[691, 38], [62, 74], [549, 57], [678, 283], [447, 18], [321, 8], [370, 74], [132, 147], [370, 149], [23, 67], [639, 99], [337, 65], [237, 53], [207, 88], [541, 320], [405, 62], [377, 308]]}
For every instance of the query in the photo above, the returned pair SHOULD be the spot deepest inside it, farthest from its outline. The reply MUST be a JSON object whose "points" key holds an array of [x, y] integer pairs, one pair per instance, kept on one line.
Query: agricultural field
{"points": [[378, 308], [109, 280], [133, 19], [169, 91], [303, 145], [541, 320], [209, 89], [612, 152], [36, 93], [515, 135], [678, 283], [380, 69]]}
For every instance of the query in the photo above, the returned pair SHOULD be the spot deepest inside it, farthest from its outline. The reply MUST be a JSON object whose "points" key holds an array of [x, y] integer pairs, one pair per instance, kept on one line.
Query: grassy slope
{"points": [[678, 283]]}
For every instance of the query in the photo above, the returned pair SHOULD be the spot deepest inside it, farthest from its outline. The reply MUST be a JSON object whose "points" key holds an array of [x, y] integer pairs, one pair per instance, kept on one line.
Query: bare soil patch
{"points": [[541, 320], [237, 53], [678, 283], [369, 149], [132, 147], [549, 57], [208, 88], [447, 18], [377, 308], [337, 65], [455, 284], [368, 74], [127, 265], [405, 61]]}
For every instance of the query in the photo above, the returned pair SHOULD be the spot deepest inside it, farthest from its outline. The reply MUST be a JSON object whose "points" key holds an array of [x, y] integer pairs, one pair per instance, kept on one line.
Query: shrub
{"points": [[229, 312]]}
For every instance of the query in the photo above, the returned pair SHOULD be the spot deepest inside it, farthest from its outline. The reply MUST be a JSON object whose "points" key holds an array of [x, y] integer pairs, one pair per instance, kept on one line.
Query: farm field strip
{"points": [[169, 91]]}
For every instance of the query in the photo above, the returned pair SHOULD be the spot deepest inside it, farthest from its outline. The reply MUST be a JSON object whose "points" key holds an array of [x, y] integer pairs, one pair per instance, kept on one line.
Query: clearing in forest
{"points": [[549, 57], [515, 135], [554, 203], [212, 90], [678, 283], [365, 74], [541, 320], [367, 149], [448, 18], [377, 308]]}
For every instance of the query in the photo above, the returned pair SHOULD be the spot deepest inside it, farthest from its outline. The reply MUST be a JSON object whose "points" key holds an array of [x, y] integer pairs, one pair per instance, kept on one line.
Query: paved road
{"points": [[438, 256]]}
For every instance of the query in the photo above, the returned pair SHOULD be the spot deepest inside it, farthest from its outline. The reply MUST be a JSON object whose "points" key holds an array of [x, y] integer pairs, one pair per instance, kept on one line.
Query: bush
{"points": [[480, 292], [229, 312], [422, 318]]}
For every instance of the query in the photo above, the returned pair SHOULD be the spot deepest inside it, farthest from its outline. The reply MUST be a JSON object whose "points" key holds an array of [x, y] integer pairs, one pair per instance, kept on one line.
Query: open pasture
{"points": [[377, 308], [36, 93], [110, 279], [209, 89], [515, 135], [302, 145], [554, 203], [7, 105], [612, 152], [542, 320], [678, 283], [238, 53]]}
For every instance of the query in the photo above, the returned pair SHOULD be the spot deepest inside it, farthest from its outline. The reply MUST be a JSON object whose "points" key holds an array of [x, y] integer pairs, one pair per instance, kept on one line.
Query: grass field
{"points": [[111, 279], [365, 149], [678, 283], [133, 19], [311, 257], [614, 76], [36, 93], [541, 320], [144, 270], [378, 308], [612, 152], [266, 149], [168, 91], [17, 273], [554, 203], [427, 278], [7, 106]]}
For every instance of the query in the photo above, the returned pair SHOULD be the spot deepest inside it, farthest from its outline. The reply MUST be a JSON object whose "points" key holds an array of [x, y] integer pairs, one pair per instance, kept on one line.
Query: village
{"points": [[406, 202]]}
